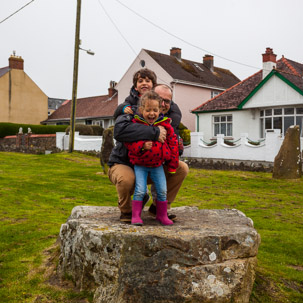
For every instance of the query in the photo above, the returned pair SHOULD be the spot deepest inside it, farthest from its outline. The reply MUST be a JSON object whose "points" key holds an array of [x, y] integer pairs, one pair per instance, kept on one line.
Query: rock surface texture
{"points": [[287, 164], [206, 256]]}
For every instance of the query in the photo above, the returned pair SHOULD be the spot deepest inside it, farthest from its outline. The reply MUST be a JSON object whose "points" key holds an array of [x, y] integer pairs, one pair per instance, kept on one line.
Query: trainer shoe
{"points": [[153, 212]]}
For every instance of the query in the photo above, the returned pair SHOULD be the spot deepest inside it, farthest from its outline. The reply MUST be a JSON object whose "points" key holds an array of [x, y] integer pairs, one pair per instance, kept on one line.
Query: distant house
{"points": [[192, 82], [54, 104], [98, 110], [21, 100], [269, 99]]}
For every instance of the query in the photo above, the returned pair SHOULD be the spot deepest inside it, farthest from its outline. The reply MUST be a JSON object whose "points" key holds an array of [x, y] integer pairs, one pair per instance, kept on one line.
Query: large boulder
{"points": [[206, 256], [106, 148], [287, 164]]}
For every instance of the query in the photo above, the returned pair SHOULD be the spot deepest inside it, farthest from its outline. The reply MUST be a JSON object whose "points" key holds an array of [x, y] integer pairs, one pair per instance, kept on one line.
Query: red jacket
{"points": [[167, 152]]}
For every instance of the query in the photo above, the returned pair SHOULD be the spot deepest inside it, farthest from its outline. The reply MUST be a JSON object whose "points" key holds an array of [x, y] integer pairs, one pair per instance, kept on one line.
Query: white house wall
{"points": [[244, 121], [275, 92], [126, 81], [188, 97]]}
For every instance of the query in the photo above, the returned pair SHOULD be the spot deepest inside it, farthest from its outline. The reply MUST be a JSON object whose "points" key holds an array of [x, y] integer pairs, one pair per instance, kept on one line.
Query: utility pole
{"points": [[75, 80]]}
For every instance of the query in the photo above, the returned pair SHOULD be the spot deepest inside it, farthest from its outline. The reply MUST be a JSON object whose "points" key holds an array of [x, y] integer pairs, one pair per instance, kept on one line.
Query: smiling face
{"points": [[143, 85], [150, 111], [166, 96]]}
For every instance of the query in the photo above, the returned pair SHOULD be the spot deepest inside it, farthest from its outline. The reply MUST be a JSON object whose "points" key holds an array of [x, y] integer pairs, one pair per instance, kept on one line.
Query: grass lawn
{"points": [[38, 192]]}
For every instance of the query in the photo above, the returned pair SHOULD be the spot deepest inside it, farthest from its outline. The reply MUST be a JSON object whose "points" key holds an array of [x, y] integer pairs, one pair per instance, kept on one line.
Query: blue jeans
{"points": [[157, 175]]}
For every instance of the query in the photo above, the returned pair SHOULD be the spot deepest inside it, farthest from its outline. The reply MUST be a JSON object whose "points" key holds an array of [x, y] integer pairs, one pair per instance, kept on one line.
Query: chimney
{"points": [[269, 61], [15, 62], [208, 61], [111, 89], [176, 52]]}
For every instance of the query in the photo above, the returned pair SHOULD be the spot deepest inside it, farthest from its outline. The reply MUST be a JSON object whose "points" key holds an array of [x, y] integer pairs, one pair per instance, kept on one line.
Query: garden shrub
{"points": [[84, 130], [97, 130], [11, 129], [184, 134]]}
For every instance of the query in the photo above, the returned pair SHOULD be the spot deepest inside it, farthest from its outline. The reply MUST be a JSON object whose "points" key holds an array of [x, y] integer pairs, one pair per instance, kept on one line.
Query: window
{"points": [[280, 118], [222, 125], [214, 94]]}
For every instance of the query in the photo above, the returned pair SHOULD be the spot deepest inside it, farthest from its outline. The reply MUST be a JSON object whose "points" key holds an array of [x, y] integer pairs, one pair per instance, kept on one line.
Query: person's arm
{"points": [[175, 114], [127, 131], [136, 148]]}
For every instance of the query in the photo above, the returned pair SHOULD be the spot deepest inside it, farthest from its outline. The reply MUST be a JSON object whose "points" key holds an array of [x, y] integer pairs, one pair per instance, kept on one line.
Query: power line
{"points": [[189, 43], [17, 11], [112, 21]]}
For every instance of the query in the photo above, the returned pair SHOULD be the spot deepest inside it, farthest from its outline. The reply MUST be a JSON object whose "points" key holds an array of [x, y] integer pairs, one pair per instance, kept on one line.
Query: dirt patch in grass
{"points": [[296, 267]]}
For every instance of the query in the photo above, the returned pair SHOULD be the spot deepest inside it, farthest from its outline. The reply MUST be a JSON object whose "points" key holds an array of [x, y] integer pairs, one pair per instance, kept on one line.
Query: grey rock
{"points": [[206, 256], [288, 163]]}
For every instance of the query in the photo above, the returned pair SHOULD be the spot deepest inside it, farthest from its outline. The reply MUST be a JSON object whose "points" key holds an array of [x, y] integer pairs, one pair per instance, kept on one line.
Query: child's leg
{"points": [[159, 179], [140, 189]]}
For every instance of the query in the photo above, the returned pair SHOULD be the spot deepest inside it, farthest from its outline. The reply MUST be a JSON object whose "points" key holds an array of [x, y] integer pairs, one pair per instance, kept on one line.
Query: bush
{"points": [[84, 130], [11, 129], [97, 130], [184, 134]]}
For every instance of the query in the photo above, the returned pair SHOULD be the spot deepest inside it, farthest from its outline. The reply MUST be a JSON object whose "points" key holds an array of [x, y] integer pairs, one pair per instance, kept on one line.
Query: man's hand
{"points": [[148, 145], [162, 135], [128, 110]]}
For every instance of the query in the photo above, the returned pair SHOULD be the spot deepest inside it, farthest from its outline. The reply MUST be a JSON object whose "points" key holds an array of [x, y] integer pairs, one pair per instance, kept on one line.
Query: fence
{"points": [[242, 149], [81, 143]]}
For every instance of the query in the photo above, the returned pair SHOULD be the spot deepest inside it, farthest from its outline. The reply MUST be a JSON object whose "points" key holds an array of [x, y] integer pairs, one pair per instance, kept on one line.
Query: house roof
{"points": [[3, 71], [90, 107], [236, 96], [194, 72], [54, 103]]}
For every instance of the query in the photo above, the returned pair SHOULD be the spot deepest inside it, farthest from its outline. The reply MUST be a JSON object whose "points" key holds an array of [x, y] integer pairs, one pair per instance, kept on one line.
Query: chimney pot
{"points": [[176, 52], [16, 62], [269, 61], [208, 61], [111, 89]]}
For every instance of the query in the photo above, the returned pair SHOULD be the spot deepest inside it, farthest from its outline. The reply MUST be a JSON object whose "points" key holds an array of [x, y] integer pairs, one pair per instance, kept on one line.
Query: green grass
{"points": [[38, 192]]}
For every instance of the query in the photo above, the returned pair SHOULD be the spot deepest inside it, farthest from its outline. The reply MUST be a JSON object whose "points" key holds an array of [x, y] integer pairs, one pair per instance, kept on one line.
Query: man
{"points": [[121, 172]]}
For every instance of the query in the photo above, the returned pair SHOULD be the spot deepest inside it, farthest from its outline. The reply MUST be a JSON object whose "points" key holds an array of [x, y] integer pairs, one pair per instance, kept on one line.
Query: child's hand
{"points": [[128, 110], [148, 145]]}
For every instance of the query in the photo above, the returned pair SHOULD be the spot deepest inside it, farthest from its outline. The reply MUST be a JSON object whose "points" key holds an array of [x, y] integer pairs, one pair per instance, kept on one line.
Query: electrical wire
{"points": [[186, 42], [112, 21], [17, 11]]}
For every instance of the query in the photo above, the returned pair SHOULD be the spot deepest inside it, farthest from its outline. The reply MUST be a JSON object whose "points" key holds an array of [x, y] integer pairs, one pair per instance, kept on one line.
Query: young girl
{"points": [[148, 157]]}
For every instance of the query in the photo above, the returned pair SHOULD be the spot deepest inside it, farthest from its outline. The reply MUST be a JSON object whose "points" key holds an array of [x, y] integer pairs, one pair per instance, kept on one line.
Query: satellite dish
{"points": [[142, 63]]}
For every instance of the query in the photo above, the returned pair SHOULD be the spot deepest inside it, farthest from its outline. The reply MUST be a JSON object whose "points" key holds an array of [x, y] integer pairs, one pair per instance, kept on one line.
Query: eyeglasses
{"points": [[166, 101]]}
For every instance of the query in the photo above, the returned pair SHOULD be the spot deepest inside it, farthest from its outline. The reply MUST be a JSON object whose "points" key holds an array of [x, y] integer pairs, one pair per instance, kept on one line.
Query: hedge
{"points": [[11, 129]]}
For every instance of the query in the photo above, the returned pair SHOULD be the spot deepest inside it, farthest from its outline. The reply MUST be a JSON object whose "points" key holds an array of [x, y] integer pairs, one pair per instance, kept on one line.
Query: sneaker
{"points": [[153, 212], [145, 199], [126, 217]]}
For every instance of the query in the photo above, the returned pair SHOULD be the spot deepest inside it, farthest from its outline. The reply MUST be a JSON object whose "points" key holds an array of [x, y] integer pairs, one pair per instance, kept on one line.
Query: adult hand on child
{"points": [[162, 135], [148, 145]]}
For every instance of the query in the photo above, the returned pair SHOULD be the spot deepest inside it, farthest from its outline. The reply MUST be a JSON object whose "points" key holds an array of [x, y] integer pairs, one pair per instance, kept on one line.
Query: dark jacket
{"points": [[132, 100], [160, 152]]}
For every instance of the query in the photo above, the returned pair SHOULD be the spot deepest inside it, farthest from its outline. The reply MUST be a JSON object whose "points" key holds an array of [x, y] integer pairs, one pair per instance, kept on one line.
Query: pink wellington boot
{"points": [[162, 213], [136, 213]]}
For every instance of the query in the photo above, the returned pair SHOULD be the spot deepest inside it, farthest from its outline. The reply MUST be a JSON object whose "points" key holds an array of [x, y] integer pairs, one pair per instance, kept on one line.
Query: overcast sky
{"points": [[43, 34]]}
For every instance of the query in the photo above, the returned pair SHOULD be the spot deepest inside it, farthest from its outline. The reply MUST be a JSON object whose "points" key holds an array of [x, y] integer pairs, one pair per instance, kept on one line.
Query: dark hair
{"points": [[143, 73], [151, 95]]}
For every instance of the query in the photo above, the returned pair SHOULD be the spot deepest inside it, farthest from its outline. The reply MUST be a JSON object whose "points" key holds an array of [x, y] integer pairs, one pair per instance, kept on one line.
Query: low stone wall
{"points": [[206, 256], [224, 164], [29, 143]]}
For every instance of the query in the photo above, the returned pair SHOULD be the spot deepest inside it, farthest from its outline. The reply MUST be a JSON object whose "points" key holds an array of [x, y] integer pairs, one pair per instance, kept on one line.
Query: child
{"points": [[143, 80], [148, 157]]}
